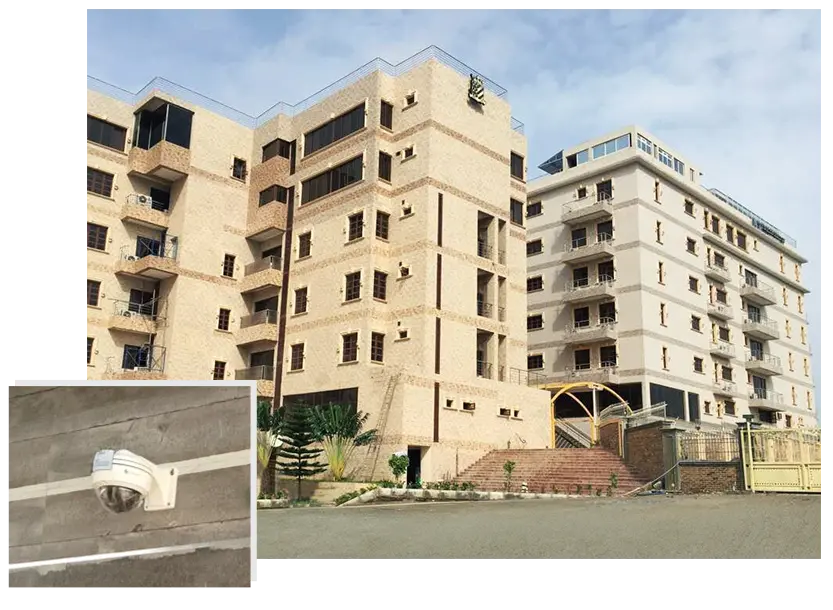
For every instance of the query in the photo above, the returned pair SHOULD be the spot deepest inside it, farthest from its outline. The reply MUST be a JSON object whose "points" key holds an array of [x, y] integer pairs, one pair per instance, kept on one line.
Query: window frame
{"points": [[100, 236], [349, 345], [535, 277], [114, 129], [219, 367], [531, 206], [516, 160], [377, 346], [296, 357], [352, 285], [301, 300], [355, 226], [304, 243], [224, 319], [236, 172], [100, 182], [332, 180], [339, 128], [383, 223], [229, 261], [383, 107], [380, 285]]}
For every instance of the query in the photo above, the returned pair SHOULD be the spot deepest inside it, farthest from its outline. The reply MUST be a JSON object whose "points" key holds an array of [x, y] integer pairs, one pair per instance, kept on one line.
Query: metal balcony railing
{"points": [[584, 242], [147, 358], [586, 202], [266, 316], [717, 267], [756, 318], [484, 250], [766, 394], [129, 309], [525, 377], [484, 309], [148, 202], [270, 262], [755, 356], [586, 325], [156, 248], [754, 284], [484, 369], [255, 373], [589, 282]]}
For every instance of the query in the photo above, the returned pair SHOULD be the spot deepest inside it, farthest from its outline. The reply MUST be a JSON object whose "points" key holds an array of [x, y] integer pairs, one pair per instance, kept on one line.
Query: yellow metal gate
{"points": [[782, 460]]}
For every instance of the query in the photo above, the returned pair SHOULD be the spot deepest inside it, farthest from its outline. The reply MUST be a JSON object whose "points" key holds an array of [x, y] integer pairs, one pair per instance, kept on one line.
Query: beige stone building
{"points": [[641, 278], [363, 246]]}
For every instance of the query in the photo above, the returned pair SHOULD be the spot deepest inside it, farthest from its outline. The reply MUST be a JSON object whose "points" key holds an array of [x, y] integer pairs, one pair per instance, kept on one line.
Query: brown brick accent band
{"points": [[710, 477]]}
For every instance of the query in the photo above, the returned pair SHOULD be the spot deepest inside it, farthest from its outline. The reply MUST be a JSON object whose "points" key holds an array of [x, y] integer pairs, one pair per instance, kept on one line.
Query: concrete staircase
{"points": [[545, 470]]}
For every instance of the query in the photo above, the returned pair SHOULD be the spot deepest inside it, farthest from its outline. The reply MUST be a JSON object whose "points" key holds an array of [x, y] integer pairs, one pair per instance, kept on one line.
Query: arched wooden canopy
{"points": [[568, 388]]}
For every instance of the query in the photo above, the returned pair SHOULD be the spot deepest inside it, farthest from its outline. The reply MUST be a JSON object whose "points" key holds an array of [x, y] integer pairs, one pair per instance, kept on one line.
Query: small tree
{"points": [[508, 469], [398, 465], [339, 429], [295, 457], [269, 424]]}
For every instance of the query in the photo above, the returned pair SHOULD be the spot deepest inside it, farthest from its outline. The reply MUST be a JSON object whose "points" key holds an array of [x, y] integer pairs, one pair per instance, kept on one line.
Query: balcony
{"points": [[720, 310], [164, 161], [756, 291], [722, 349], [582, 251], [484, 369], [148, 363], [604, 330], [591, 289], [607, 372], [139, 210], [717, 272], [131, 317], [587, 209], [265, 273], [763, 364], [759, 327], [266, 221], [260, 326], [157, 261], [763, 398], [484, 250], [724, 387], [484, 309], [264, 375]]}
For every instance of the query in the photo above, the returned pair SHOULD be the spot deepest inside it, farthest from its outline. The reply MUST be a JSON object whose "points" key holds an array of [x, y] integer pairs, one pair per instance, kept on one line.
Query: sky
{"points": [[738, 93]]}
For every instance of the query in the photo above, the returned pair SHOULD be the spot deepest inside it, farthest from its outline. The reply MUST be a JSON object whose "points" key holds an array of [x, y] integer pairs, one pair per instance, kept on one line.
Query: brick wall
{"points": [[710, 477], [643, 449], [609, 437]]}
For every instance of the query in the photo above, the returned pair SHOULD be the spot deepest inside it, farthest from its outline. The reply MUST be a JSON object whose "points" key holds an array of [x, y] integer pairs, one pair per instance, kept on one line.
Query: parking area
{"points": [[715, 526]]}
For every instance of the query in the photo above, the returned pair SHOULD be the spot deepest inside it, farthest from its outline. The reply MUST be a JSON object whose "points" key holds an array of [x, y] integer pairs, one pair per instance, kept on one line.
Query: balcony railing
{"points": [[766, 361], [602, 199], [255, 373], [148, 202], [143, 249], [753, 287], [583, 242], [148, 357], [484, 309], [766, 395], [525, 377], [484, 369], [714, 269], [483, 249], [266, 316], [589, 282], [722, 348], [585, 327], [720, 310], [129, 309], [270, 262], [725, 387], [756, 318]]}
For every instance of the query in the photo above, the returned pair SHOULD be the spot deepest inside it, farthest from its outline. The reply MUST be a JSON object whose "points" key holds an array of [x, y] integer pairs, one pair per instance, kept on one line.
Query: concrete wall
{"points": [[54, 433]]}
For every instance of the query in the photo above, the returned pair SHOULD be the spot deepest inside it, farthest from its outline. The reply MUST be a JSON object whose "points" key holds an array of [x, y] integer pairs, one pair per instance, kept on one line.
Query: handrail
{"points": [[254, 373], [587, 202], [760, 357], [590, 282], [484, 250], [138, 251], [583, 242], [145, 201], [269, 262], [128, 309], [766, 394], [602, 323], [265, 316], [759, 319]]}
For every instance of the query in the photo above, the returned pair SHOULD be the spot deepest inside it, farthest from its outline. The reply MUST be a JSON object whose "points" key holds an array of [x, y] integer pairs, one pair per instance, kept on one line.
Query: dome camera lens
{"points": [[119, 499]]}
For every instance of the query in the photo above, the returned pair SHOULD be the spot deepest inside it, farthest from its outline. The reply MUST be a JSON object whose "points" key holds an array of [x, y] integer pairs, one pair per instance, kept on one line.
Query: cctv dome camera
{"points": [[123, 480]]}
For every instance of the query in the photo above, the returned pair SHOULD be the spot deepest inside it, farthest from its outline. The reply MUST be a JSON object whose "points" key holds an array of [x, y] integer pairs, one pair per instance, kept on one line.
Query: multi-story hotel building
{"points": [[640, 278], [365, 246]]}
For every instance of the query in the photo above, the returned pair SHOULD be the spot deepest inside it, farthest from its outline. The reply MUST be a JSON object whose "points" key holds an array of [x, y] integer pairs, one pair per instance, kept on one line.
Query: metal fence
{"points": [[714, 446]]}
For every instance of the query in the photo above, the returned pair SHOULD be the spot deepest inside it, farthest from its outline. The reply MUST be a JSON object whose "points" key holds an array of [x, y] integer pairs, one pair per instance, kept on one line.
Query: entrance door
{"points": [[414, 464]]}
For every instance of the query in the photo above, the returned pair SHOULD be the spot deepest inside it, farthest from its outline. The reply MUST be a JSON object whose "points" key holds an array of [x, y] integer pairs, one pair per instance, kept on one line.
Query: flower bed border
{"points": [[282, 503], [444, 494]]}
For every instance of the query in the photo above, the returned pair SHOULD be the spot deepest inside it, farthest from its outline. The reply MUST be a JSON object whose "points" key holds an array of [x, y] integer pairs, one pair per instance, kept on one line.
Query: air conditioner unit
{"points": [[144, 199], [131, 258], [127, 314]]}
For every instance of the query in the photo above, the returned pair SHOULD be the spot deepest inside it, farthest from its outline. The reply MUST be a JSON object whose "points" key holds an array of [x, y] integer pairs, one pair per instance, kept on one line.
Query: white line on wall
{"points": [[196, 465]]}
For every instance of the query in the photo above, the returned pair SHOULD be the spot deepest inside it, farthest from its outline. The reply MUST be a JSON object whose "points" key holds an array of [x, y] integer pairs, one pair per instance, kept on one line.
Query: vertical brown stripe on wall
{"points": [[439, 219], [436, 411], [437, 331], [439, 281], [287, 250]]}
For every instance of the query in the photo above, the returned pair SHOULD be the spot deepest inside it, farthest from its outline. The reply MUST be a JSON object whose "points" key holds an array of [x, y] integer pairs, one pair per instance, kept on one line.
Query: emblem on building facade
{"points": [[476, 91]]}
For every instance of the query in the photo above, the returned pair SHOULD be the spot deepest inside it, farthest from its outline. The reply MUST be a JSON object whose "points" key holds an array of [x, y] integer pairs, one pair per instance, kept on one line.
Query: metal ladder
{"points": [[382, 423]]}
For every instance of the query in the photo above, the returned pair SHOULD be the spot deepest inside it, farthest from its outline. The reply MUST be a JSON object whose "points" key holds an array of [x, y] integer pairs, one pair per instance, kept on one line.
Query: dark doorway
{"points": [[414, 462]]}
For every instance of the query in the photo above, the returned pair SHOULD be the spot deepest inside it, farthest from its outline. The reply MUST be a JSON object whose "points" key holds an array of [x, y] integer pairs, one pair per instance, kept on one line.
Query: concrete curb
{"points": [[442, 494], [282, 503]]}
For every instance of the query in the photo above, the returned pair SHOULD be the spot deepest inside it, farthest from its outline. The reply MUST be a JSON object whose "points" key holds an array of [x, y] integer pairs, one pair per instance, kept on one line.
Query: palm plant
{"points": [[269, 426], [339, 430]]}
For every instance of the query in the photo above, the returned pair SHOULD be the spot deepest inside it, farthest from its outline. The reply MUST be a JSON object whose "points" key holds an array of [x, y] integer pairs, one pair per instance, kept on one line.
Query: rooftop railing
{"points": [[757, 222]]}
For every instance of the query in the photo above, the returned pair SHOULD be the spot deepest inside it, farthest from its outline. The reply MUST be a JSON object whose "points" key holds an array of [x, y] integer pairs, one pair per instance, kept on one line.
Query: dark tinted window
{"points": [[332, 180], [98, 182], [516, 166], [179, 126], [106, 134], [332, 131], [382, 225], [386, 118], [304, 245], [273, 193], [96, 236], [93, 289], [168, 122], [533, 209], [276, 148], [516, 211], [384, 166]]}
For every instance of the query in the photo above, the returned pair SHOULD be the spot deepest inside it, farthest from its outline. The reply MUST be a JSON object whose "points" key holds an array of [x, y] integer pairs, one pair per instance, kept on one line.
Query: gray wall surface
{"points": [[53, 435]]}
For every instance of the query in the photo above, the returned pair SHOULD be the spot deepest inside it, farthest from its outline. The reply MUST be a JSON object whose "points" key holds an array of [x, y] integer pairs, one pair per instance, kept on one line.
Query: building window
{"points": [[707, 407], [238, 169], [644, 144], [228, 265], [535, 362], [296, 358], [691, 174], [350, 347], [93, 289], [693, 284], [723, 333], [402, 333], [657, 190], [611, 146], [534, 284], [695, 323], [607, 355], [806, 367], [219, 370], [581, 359], [273, 193], [719, 260], [581, 192], [729, 407], [781, 262], [404, 271], [715, 225], [106, 134], [691, 245], [809, 399], [698, 367], [535, 322], [332, 131], [304, 245], [377, 347], [784, 296], [793, 396], [803, 336], [385, 165], [386, 115], [663, 314], [726, 373], [516, 212], [797, 268], [720, 296], [788, 328], [96, 236], [534, 247], [98, 182], [534, 209], [332, 180], [679, 167], [800, 300], [380, 285], [410, 99], [665, 158], [276, 148], [223, 319], [355, 226], [730, 234], [788, 421], [790, 361], [689, 208], [352, 286], [516, 166], [741, 240], [382, 224], [661, 272], [90, 342], [300, 300], [659, 232]]}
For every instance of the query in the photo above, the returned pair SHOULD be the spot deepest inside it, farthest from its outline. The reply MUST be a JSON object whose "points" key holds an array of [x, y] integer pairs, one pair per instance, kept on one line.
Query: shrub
{"points": [[614, 480], [508, 469], [398, 465]]}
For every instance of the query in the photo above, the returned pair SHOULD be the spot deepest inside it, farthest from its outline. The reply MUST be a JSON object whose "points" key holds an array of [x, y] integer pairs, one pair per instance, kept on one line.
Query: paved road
{"points": [[731, 526]]}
